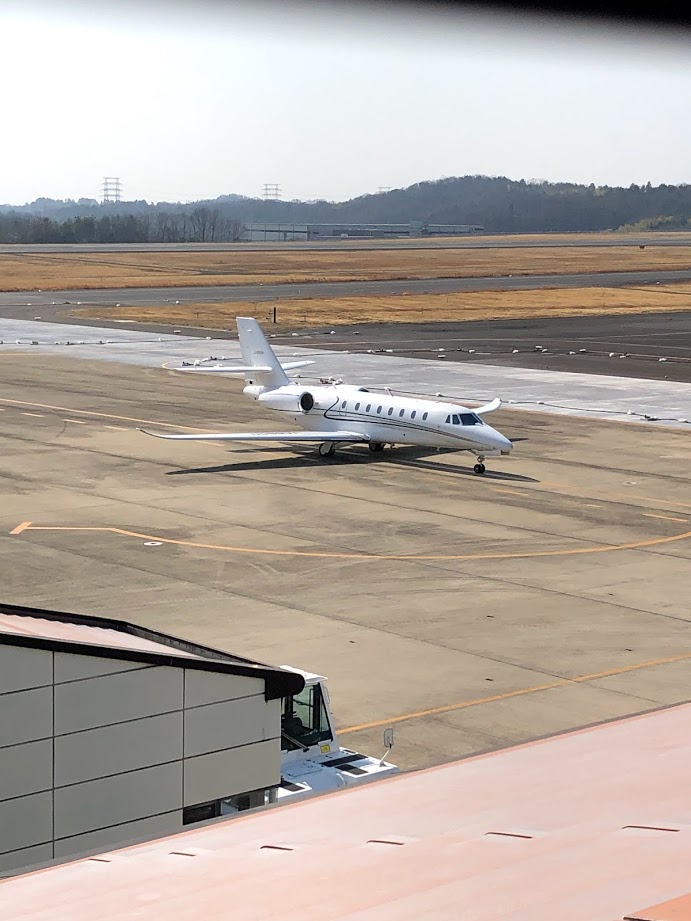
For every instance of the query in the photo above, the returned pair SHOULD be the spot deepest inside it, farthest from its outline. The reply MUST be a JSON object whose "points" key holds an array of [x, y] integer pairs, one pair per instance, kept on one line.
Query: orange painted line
{"points": [[448, 708], [21, 527], [412, 557]]}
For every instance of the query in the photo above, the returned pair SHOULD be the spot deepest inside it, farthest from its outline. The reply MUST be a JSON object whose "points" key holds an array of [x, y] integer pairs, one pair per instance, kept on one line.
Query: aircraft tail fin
{"points": [[257, 353]]}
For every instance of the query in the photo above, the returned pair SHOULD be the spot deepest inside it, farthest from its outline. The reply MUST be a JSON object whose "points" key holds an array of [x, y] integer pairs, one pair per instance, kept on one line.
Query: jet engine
{"points": [[296, 400]]}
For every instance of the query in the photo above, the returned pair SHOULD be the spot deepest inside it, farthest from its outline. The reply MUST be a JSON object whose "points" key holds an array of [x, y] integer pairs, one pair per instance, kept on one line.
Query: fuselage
{"points": [[384, 417]]}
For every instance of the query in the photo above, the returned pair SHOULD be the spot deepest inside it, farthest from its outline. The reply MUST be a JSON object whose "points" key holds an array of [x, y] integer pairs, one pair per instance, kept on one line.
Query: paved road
{"points": [[336, 244], [13, 304]]}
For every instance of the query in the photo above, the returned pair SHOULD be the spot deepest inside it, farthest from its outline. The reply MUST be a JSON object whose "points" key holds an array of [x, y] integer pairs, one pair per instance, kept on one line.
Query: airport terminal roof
{"points": [[593, 824], [100, 636]]}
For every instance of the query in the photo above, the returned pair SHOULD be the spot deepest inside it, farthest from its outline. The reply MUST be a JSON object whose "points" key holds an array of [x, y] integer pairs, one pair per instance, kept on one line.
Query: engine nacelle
{"points": [[297, 401]]}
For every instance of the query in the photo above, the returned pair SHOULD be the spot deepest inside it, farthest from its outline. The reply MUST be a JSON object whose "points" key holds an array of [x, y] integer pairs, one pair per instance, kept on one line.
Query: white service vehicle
{"points": [[312, 760]]}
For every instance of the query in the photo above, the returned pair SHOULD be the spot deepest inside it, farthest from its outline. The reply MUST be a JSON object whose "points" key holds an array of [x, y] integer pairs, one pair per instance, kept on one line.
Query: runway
{"points": [[336, 244], [469, 612], [19, 305]]}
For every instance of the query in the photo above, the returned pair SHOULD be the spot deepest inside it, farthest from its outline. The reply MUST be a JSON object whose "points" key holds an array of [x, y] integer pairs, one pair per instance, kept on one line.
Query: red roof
{"points": [[586, 825]]}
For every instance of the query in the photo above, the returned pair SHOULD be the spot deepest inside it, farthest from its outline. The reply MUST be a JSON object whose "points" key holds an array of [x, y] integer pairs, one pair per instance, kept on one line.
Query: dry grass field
{"points": [[59, 271], [473, 305]]}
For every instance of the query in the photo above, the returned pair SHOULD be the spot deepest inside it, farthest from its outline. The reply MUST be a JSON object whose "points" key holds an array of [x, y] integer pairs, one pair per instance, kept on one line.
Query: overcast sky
{"points": [[189, 101]]}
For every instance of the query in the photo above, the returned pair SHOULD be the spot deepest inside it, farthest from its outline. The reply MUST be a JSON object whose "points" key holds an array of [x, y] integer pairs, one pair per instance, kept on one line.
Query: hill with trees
{"points": [[498, 204]]}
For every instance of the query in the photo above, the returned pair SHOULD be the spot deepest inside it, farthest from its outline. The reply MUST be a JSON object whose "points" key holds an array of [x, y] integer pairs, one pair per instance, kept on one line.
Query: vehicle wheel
{"points": [[376, 446], [479, 468], [327, 449]]}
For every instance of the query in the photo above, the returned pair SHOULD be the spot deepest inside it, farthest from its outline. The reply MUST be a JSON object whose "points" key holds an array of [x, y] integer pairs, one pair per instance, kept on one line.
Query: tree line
{"points": [[498, 204], [200, 225]]}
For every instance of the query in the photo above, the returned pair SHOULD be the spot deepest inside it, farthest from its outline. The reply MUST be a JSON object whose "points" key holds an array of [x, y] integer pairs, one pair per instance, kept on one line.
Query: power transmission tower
{"points": [[111, 189], [272, 191]]}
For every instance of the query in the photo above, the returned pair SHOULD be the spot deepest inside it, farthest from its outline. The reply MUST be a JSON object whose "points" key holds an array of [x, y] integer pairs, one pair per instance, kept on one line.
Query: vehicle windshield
{"points": [[304, 721]]}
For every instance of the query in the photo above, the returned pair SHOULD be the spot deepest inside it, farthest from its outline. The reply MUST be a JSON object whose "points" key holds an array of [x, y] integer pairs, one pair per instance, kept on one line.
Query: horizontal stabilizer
{"points": [[304, 437], [488, 408], [245, 369]]}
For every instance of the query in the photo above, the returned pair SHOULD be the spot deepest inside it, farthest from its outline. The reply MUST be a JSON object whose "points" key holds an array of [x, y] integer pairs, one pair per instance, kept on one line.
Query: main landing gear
{"points": [[327, 449], [376, 446], [479, 468]]}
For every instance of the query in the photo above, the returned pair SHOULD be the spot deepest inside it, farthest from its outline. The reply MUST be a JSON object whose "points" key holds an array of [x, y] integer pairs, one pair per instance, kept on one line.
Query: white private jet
{"points": [[334, 414]]}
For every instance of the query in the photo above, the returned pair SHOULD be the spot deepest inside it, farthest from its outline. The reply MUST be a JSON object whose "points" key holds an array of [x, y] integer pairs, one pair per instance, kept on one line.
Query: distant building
{"points": [[292, 231], [110, 732]]}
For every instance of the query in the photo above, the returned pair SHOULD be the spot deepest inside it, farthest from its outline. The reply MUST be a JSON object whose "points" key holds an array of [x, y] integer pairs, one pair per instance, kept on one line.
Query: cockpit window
{"points": [[304, 721], [469, 419]]}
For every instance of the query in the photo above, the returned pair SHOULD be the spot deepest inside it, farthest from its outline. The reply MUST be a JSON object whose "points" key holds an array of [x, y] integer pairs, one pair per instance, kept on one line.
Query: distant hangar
{"points": [[292, 231]]}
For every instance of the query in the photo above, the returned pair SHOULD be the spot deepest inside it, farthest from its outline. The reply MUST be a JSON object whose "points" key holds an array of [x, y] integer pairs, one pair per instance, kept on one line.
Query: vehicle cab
{"points": [[312, 760]]}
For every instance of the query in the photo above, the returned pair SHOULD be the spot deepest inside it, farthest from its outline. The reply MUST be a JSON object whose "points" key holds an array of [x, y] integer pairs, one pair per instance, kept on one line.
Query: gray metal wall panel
{"points": [[26, 768], [116, 698], [230, 724], [236, 770], [26, 716], [22, 668], [18, 860], [116, 800], [26, 821], [70, 667], [115, 749], [119, 835], [212, 687]]}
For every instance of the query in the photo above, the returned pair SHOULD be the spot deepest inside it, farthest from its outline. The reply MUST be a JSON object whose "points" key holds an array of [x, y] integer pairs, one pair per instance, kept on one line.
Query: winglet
{"points": [[488, 407]]}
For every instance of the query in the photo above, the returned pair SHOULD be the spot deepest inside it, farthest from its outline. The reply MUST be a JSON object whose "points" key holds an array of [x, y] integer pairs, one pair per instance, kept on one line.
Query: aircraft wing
{"points": [[304, 437]]}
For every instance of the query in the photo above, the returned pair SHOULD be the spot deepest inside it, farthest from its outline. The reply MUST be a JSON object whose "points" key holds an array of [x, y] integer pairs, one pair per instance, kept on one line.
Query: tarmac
{"points": [[589, 395], [468, 612]]}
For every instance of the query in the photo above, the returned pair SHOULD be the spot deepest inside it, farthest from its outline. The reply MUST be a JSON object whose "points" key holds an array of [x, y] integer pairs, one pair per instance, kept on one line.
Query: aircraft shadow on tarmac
{"points": [[399, 457]]}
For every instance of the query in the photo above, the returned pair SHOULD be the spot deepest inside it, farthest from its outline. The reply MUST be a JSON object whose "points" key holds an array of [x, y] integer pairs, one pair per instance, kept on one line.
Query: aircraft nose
{"points": [[500, 442]]}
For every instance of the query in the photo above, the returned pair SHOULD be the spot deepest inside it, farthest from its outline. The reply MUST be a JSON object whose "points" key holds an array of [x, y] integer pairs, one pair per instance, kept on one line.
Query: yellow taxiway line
{"points": [[508, 695], [370, 557]]}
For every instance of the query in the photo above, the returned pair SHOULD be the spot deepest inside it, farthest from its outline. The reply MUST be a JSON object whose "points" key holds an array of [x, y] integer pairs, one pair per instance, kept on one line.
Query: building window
{"points": [[200, 812]]}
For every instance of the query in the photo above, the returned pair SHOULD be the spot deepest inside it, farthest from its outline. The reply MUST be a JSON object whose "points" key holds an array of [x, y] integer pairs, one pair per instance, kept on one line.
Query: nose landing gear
{"points": [[479, 468]]}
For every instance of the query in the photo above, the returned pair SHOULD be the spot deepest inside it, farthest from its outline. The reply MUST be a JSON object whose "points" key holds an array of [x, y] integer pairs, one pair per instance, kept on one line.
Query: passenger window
{"points": [[357, 406], [401, 412], [424, 416], [390, 410], [369, 406], [412, 415], [379, 409], [343, 405]]}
